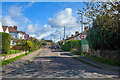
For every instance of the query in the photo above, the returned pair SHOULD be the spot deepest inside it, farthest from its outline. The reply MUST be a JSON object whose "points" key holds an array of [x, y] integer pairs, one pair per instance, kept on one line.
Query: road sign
{"points": [[26, 36], [82, 36]]}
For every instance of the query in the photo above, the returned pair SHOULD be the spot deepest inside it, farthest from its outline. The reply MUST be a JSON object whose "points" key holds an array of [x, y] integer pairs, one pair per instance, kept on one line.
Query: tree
{"points": [[108, 10], [105, 31]]}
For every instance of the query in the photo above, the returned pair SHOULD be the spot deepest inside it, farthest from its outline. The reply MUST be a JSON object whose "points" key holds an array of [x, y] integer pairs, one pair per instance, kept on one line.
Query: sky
{"points": [[43, 19]]}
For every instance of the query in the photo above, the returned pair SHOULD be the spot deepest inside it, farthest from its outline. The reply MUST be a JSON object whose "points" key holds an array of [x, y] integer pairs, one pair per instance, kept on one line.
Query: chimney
{"points": [[63, 39], [86, 28], [67, 37], [77, 32], [72, 35], [15, 27]]}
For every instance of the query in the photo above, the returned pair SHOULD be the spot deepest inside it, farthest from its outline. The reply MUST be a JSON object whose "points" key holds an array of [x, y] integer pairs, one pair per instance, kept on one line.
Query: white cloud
{"points": [[15, 11], [38, 32], [32, 28], [7, 20], [64, 18], [44, 35], [15, 16]]}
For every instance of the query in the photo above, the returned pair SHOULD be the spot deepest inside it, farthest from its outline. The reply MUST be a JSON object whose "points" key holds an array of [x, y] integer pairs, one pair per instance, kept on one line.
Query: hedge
{"points": [[72, 44], [31, 46], [99, 38], [6, 40]]}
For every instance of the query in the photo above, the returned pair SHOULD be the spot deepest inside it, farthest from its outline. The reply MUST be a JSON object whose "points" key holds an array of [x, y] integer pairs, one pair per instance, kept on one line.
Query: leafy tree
{"points": [[109, 11], [105, 31]]}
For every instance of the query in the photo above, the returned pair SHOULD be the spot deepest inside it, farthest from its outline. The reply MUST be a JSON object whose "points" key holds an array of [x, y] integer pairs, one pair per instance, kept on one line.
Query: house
{"points": [[4, 28], [77, 37], [16, 34], [1, 28], [74, 37], [13, 41], [48, 44]]}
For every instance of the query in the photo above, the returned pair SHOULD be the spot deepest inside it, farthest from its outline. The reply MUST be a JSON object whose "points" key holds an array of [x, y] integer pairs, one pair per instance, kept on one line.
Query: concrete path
{"points": [[55, 64]]}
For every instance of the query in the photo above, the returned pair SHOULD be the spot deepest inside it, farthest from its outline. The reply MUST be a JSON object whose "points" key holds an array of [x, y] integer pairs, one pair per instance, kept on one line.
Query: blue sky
{"points": [[42, 19]]}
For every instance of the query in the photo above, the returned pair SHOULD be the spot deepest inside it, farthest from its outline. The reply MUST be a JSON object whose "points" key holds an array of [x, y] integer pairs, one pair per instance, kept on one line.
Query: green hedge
{"points": [[102, 37], [72, 44], [6, 40], [21, 45]]}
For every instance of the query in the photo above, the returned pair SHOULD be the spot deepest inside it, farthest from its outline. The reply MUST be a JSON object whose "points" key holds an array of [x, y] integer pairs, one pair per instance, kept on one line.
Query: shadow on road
{"points": [[55, 66]]}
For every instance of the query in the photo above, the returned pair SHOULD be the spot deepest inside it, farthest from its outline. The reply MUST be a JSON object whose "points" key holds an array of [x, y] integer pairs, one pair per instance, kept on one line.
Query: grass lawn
{"points": [[2, 63], [12, 52]]}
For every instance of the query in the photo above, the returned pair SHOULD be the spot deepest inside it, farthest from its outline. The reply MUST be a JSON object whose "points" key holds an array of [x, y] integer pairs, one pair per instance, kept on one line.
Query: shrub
{"points": [[72, 44], [6, 40]]}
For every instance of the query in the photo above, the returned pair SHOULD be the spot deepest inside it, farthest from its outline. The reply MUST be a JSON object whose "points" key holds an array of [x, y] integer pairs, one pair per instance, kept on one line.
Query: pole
{"points": [[81, 32], [64, 32], [54, 40], [81, 22], [60, 36], [26, 46], [60, 39]]}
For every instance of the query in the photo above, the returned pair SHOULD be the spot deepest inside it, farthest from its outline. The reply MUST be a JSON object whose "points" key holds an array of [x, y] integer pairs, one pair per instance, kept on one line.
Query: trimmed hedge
{"points": [[6, 40], [72, 44]]}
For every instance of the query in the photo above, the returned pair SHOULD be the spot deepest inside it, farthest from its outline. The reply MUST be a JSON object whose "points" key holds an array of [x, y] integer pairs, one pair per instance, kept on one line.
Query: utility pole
{"points": [[64, 32], [26, 47], [60, 36], [81, 30], [60, 39], [54, 38]]}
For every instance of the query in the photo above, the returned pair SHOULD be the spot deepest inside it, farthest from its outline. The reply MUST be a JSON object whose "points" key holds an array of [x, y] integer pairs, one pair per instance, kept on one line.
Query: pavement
{"points": [[95, 63], [58, 64]]}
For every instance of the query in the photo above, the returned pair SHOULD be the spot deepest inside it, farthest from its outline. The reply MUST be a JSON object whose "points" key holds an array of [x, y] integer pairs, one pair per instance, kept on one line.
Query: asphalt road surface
{"points": [[55, 64]]}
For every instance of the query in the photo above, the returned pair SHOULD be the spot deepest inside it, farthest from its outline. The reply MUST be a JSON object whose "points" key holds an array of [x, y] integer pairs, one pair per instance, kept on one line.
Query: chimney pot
{"points": [[15, 27], [86, 28], [77, 32], [67, 37]]}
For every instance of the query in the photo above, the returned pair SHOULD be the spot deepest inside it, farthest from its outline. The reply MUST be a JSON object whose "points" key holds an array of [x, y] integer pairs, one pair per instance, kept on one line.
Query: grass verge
{"points": [[103, 60], [2, 63], [110, 62]]}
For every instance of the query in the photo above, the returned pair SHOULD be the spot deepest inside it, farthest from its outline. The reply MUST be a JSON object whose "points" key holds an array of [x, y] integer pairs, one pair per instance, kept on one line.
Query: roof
{"points": [[11, 29], [73, 36], [21, 32], [4, 28]]}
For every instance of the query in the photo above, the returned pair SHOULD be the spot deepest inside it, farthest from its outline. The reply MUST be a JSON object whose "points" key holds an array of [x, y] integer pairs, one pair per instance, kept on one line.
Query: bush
{"points": [[6, 40], [72, 45]]}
